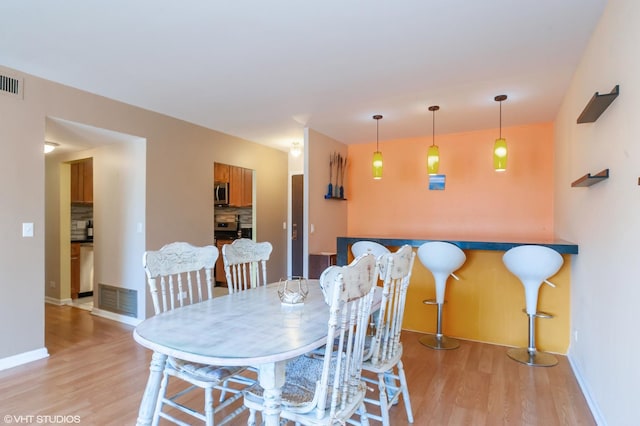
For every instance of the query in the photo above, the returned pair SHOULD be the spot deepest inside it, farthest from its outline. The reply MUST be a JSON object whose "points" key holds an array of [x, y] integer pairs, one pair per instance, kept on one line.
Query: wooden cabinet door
{"points": [[82, 181], [87, 180], [75, 270], [220, 172], [75, 194], [236, 177], [247, 188]]}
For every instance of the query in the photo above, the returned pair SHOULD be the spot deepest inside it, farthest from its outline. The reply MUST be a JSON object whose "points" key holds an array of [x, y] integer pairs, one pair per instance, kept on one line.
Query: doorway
{"points": [[115, 212], [297, 225]]}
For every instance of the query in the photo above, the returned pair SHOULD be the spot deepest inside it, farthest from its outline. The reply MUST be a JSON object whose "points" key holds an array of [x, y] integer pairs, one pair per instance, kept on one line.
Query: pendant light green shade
{"points": [[433, 160], [500, 155], [377, 165]]}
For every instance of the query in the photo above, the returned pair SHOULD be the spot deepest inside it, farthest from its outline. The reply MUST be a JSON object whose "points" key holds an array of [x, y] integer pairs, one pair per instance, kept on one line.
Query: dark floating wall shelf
{"points": [[589, 179], [597, 105]]}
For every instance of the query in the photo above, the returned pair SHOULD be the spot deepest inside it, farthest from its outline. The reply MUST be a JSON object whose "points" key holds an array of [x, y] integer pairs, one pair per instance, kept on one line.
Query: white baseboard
{"points": [[23, 358], [97, 312], [593, 406], [115, 317], [57, 302]]}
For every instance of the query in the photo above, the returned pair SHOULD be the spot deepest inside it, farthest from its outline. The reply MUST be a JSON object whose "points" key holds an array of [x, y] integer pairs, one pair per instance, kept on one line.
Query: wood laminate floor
{"points": [[97, 373]]}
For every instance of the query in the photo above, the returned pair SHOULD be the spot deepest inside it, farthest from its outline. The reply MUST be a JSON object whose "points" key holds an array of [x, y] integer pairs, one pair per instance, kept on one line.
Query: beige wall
{"points": [[328, 217], [603, 218], [178, 196]]}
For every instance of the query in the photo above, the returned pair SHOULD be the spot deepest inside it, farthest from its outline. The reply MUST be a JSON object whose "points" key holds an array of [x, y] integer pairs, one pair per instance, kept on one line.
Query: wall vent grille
{"points": [[11, 86], [119, 300]]}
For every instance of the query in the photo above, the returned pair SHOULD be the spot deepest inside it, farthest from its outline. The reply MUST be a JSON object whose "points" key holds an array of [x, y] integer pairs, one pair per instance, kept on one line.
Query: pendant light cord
{"points": [[433, 128], [377, 137], [500, 119]]}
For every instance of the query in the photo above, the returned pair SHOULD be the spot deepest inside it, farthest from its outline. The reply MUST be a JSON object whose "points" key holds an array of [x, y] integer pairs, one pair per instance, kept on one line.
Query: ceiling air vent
{"points": [[11, 86]]}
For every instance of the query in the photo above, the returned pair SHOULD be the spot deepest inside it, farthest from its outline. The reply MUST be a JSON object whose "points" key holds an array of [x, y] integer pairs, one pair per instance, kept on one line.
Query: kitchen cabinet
{"points": [[220, 275], [240, 183], [240, 187], [247, 187], [75, 270], [220, 172], [82, 181]]}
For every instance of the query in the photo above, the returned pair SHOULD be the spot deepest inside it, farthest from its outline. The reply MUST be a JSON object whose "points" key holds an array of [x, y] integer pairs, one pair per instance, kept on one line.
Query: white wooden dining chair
{"points": [[384, 358], [328, 390], [245, 264], [180, 274]]}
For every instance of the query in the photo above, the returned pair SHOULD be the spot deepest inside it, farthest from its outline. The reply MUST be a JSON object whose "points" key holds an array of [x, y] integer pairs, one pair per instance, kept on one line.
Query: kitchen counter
{"points": [[486, 304], [561, 246]]}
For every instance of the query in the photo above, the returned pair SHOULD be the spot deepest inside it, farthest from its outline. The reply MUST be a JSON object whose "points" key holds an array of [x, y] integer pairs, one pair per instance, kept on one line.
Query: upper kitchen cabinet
{"points": [[247, 187], [240, 187], [240, 182], [82, 181], [221, 172]]}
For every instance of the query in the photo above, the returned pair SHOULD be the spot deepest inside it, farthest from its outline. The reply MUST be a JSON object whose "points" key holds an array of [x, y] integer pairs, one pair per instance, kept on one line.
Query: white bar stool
{"points": [[361, 247], [442, 259], [533, 265]]}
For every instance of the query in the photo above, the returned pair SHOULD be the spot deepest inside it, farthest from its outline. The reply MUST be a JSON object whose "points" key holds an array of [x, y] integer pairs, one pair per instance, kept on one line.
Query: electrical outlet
{"points": [[52, 284], [575, 335]]}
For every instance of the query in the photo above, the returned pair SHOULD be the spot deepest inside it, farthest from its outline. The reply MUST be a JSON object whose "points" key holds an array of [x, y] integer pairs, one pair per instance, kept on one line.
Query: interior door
{"points": [[297, 225]]}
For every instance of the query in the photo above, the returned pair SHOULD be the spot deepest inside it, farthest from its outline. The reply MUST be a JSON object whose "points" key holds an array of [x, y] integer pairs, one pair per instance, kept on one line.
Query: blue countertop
{"points": [[561, 246]]}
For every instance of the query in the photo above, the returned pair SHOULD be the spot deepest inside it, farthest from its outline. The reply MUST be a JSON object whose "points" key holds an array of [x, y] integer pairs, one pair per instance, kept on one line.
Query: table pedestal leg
{"points": [[271, 378], [150, 396]]}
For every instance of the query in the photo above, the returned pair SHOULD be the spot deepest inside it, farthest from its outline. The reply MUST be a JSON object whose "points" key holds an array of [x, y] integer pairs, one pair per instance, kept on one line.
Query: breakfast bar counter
{"points": [[486, 304]]}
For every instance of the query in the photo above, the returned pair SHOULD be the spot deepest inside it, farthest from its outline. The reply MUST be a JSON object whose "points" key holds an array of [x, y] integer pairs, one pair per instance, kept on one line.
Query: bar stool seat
{"points": [[361, 247], [533, 265], [442, 259]]}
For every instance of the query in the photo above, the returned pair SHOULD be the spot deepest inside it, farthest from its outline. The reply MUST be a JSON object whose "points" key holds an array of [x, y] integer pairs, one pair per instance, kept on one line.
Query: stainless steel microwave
{"points": [[221, 193]]}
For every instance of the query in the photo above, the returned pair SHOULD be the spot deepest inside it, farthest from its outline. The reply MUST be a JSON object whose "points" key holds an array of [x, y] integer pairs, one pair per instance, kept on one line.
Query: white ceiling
{"points": [[263, 70]]}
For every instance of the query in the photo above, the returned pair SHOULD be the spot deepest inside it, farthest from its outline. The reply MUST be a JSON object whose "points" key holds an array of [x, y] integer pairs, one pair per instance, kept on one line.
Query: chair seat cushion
{"points": [[209, 373], [299, 390]]}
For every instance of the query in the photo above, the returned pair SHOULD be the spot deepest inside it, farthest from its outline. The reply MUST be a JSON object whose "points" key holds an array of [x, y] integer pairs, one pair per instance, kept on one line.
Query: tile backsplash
{"points": [[80, 214], [228, 214]]}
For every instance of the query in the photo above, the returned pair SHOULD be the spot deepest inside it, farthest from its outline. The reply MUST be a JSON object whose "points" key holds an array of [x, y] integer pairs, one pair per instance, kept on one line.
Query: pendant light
{"points": [[49, 147], [377, 156], [433, 155], [500, 145], [295, 149]]}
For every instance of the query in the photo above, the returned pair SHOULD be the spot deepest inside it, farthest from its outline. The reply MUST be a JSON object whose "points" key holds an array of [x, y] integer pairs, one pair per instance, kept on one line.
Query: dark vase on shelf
{"points": [[329, 191]]}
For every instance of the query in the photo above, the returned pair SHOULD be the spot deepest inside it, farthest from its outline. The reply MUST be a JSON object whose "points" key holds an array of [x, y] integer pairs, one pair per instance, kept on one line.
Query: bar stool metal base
{"points": [[534, 358], [443, 342]]}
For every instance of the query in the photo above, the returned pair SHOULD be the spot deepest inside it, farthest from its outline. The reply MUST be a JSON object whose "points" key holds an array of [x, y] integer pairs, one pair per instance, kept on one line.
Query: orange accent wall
{"points": [[477, 203]]}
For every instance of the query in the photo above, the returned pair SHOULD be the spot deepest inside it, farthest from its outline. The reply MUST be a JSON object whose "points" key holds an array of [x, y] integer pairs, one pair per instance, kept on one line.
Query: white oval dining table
{"points": [[249, 328]]}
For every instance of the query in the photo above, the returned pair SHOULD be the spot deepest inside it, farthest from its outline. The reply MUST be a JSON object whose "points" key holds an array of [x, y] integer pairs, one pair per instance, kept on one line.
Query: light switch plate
{"points": [[27, 229]]}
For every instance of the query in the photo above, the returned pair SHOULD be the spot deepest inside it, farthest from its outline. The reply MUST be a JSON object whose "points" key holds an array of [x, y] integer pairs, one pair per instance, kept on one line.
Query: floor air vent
{"points": [[11, 86], [119, 300]]}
